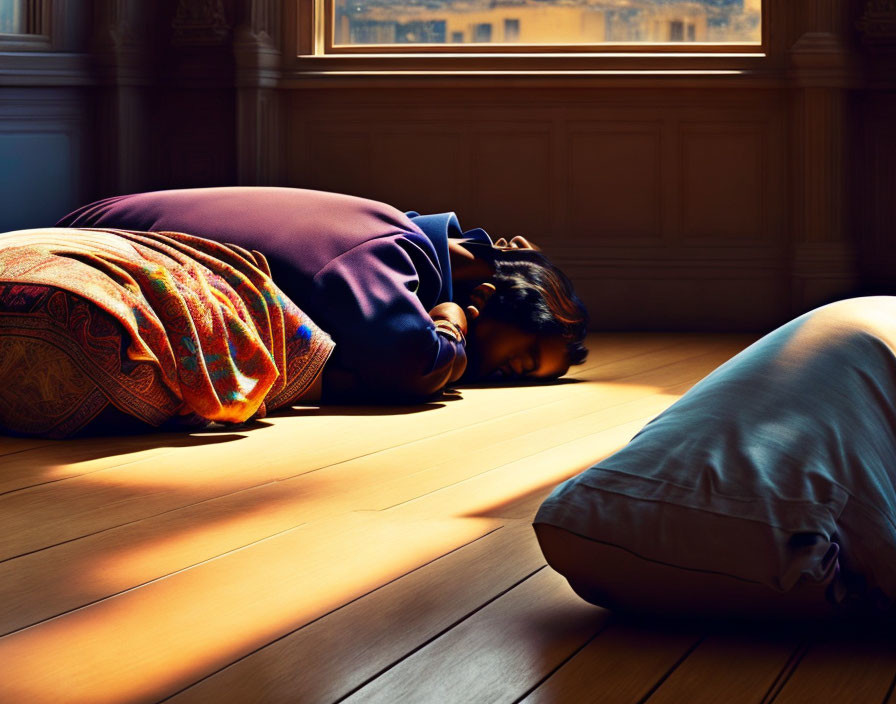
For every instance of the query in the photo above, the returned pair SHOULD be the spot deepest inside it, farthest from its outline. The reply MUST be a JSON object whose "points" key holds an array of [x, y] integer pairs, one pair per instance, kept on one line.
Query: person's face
{"points": [[499, 351]]}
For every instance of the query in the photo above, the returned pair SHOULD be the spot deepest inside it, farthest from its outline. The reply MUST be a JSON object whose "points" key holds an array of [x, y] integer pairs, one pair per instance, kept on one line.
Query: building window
{"points": [[511, 30], [482, 33], [540, 22], [676, 31]]}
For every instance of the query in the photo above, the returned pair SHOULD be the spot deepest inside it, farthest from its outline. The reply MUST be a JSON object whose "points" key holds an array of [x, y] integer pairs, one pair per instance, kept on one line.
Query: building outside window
{"points": [[482, 33], [511, 30], [676, 31], [576, 22]]}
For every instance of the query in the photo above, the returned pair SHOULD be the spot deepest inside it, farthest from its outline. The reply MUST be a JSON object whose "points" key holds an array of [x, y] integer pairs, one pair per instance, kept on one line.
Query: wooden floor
{"points": [[368, 555]]}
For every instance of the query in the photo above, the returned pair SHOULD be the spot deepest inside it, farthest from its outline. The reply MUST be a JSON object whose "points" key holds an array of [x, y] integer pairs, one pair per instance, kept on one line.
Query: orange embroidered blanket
{"points": [[156, 324]]}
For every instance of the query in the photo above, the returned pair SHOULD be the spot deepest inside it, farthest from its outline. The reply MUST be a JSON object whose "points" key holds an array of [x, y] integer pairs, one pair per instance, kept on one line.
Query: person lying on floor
{"points": [[412, 302]]}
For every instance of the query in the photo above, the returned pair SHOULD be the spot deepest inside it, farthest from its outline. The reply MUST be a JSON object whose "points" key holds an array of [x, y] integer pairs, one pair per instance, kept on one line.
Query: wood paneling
{"points": [[615, 181], [430, 155], [723, 182], [668, 210], [513, 180]]}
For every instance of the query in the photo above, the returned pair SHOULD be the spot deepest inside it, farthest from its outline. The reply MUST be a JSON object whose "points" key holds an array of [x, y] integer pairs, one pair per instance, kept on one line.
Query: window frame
{"points": [[315, 53]]}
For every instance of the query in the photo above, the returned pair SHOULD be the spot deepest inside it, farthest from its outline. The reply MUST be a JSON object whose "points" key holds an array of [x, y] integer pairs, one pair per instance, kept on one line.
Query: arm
{"points": [[373, 301]]}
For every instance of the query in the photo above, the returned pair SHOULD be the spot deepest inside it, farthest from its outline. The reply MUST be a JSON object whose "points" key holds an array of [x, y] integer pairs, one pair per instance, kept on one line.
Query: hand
{"points": [[518, 242], [454, 314]]}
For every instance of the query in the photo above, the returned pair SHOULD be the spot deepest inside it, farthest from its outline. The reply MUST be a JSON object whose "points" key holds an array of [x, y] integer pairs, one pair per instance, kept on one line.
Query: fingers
{"points": [[472, 312], [518, 242]]}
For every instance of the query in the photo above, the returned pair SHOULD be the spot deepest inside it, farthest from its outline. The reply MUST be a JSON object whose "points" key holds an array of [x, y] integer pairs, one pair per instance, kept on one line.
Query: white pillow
{"points": [[776, 473]]}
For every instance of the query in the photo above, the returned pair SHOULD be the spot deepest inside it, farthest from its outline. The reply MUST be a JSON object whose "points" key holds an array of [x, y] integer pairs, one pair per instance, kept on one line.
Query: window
{"points": [[676, 31], [482, 33], [511, 30], [585, 23]]}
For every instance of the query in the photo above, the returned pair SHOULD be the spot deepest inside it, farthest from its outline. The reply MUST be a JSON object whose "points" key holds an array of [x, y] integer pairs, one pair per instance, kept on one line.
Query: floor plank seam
{"points": [[352, 601], [786, 672], [603, 627], [82, 474], [24, 449], [659, 683], [152, 581], [436, 636], [140, 520]]}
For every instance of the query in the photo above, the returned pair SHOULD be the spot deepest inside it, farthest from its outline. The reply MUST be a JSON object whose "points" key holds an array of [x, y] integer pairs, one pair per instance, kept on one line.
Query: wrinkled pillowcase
{"points": [[769, 484]]}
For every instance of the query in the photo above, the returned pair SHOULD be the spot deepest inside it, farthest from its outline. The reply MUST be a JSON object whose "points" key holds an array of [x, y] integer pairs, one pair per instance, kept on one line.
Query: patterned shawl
{"points": [[224, 340]]}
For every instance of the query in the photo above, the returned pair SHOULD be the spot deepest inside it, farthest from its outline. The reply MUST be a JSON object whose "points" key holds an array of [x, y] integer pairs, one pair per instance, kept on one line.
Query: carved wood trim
{"points": [[878, 23], [200, 23]]}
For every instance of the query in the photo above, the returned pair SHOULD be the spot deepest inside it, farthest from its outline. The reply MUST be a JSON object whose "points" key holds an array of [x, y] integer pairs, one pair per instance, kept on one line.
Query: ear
{"points": [[479, 296]]}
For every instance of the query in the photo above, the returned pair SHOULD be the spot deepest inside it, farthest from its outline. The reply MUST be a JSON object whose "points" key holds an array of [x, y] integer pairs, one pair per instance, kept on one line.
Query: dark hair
{"points": [[535, 295]]}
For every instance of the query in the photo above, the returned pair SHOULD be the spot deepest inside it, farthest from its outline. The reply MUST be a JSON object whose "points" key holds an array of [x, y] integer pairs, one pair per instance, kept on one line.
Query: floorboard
{"points": [[621, 666], [851, 670], [499, 653], [366, 554], [707, 676], [336, 655]]}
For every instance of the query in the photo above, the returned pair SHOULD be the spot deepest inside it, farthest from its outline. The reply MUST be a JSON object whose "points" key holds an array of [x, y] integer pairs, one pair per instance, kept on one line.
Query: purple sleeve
{"points": [[384, 333]]}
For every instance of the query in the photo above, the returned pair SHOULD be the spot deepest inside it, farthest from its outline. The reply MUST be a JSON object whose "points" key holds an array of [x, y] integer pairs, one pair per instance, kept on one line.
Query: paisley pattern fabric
{"points": [[160, 325]]}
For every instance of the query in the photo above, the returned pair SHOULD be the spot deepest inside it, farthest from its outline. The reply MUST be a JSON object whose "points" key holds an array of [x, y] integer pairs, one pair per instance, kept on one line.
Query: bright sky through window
{"points": [[391, 22]]}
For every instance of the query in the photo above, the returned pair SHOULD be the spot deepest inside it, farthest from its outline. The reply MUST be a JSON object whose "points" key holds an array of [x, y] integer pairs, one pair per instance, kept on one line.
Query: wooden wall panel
{"points": [[615, 181], [876, 193], [723, 182], [513, 181], [672, 298], [643, 196], [338, 160], [425, 166]]}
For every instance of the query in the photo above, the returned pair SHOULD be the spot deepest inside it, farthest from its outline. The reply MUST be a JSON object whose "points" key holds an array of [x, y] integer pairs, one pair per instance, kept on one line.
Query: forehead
{"points": [[553, 360]]}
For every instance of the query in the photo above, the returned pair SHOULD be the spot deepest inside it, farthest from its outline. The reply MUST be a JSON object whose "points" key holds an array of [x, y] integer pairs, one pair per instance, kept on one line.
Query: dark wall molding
{"points": [[878, 24]]}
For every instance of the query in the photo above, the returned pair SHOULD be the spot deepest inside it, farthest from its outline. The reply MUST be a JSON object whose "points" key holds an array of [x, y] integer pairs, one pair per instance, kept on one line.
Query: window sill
{"points": [[459, 63], [557, 68]]}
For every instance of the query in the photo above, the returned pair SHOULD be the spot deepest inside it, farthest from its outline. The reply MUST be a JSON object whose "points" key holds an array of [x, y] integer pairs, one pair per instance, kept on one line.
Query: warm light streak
{"points": [[152, 641]]}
